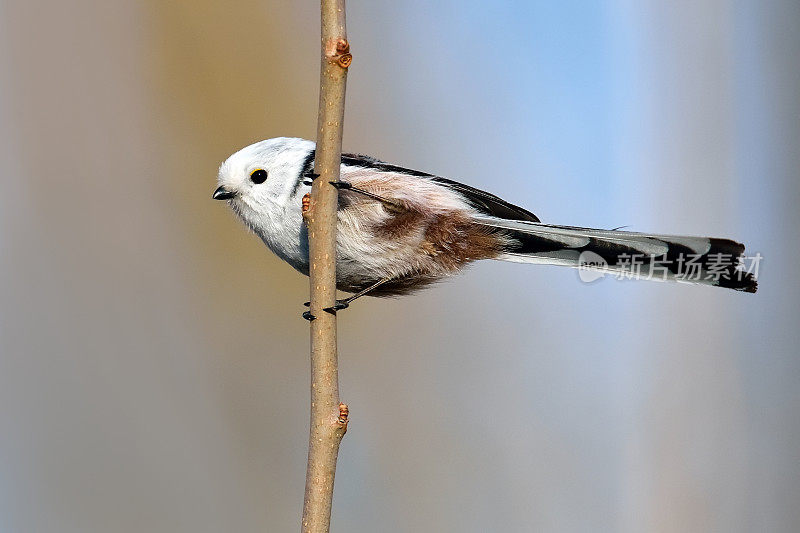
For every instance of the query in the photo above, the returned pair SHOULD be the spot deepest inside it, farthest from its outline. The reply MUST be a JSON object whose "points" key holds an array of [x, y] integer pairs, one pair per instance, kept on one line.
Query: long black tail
{"points": [[700, 260]]}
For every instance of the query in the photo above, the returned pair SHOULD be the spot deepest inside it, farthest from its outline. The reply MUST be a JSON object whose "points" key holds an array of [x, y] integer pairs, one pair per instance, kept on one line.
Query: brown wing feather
{"points": [[430, 227]]}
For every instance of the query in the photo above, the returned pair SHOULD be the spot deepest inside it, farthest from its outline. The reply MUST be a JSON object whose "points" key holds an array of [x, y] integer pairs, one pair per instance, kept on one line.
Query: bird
{"points": [[401, 230]]}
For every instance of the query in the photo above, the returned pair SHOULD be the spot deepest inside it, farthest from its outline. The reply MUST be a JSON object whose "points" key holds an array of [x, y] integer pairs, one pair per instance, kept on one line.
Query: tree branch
{"points": [[328, 415]]}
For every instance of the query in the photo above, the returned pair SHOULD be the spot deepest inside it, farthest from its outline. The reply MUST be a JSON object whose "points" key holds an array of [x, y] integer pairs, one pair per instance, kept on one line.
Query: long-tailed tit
{"points": [[400, 230]]}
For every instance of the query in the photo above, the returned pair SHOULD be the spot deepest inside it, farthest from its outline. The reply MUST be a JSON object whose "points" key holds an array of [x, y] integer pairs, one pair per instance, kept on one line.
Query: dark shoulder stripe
{"points": [[483, 201], [308, 163], [365, 161]]}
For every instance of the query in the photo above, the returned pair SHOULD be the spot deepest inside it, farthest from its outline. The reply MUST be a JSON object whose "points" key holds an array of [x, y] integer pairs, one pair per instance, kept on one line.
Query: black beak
{"points": [[222, 194]]}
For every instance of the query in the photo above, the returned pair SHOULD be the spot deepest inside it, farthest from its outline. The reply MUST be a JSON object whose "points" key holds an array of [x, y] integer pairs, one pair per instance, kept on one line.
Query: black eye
{"points": [[258, 176]]}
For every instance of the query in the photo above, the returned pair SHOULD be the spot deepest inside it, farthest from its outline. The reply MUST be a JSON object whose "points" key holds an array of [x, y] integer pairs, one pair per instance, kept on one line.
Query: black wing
{"points": [[483, 201]]}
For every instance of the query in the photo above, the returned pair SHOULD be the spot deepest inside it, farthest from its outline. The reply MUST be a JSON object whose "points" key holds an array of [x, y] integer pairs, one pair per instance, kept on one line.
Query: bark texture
{"points": [[328, 415]]}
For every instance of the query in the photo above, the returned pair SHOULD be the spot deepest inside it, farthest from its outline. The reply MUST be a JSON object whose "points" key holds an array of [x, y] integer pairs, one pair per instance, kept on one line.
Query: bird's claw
{"points": [[341, 184], [340, 304]]}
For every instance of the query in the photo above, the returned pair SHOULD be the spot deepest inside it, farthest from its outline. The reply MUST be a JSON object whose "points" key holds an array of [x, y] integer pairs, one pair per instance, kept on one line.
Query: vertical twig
{"points": [[328, 415]]}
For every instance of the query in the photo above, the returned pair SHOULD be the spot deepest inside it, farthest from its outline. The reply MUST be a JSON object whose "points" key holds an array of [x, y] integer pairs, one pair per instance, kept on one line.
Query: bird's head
{"points": [[263, 175]]}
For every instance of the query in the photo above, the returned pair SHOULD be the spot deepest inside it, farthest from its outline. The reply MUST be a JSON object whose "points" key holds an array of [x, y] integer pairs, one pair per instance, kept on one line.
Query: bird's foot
{"points": [[340, 304], [341, 185]]}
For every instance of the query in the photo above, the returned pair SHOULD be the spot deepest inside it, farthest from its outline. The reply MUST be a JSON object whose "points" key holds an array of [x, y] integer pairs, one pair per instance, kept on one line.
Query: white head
{"points": [[264, 172], [263, 184]]}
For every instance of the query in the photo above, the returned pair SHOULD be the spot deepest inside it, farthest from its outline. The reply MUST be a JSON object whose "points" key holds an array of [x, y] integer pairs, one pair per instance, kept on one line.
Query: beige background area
{"points": [[153, 363]]}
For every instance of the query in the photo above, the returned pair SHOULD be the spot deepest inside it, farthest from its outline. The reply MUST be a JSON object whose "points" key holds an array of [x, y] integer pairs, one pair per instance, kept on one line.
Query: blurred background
{"points": [[153, 362]]}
